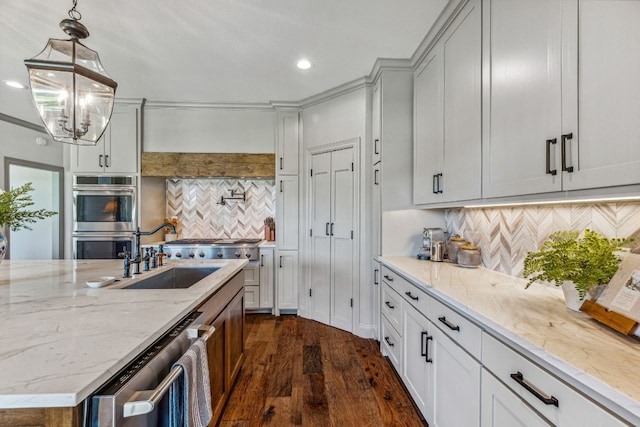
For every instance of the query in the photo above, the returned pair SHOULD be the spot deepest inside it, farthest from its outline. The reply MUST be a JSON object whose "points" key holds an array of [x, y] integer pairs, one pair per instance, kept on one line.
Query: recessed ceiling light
{"points": [[303, 64], [14, 84]]}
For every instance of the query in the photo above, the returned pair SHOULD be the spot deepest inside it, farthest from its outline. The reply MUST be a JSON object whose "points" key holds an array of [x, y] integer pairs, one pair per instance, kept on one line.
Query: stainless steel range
{"points": [[213, 249]]}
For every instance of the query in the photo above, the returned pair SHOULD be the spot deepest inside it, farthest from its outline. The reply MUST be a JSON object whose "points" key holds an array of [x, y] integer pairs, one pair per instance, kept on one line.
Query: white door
{"points": [[456, 381], [320, 268], [417, 371], [332, 265], [287, 218], [605, 149], [343, 265], [44, 240], [428, 137], [462, 87], [121, 151], [287, 280], [522, 96]]}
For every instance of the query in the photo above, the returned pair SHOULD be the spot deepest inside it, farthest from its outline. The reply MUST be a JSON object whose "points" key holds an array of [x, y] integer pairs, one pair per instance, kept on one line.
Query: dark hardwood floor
{"points": [[301, 372]]}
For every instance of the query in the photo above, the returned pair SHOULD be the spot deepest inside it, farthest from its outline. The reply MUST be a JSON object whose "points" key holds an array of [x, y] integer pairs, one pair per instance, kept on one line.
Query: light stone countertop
{"points": [[601, 363], [61, 340]]}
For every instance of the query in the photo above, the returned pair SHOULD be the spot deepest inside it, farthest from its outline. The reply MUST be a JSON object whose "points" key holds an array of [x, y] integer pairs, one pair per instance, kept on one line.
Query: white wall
{"points": [[338, 119], [20, 143], [208, 130]]}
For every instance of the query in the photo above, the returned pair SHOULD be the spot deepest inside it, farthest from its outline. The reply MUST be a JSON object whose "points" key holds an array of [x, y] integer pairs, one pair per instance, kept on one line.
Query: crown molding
{"points": [[209, 106], [23, 123], [336, 91], [389, 64]]}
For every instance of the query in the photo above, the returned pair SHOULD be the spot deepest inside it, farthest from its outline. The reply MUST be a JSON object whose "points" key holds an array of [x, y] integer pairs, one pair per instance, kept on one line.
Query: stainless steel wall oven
{"points": [[101, 245], [104, 203]]}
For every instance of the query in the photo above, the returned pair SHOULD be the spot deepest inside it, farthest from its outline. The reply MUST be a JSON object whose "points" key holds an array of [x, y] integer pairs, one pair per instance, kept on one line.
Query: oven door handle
{"points": [[144, 401]]}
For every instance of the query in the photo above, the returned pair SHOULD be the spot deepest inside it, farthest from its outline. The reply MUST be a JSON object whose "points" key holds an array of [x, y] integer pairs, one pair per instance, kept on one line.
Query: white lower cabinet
{"points": [[553, 399], [502, 407], [266, 278], [251, 297], [287, 280], [455, 383], [417, 371], [391, 344]]}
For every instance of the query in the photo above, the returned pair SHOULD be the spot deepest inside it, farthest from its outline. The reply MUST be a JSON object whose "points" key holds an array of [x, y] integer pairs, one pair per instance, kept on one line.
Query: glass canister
{"points": [[454, 246], [469, 256]]}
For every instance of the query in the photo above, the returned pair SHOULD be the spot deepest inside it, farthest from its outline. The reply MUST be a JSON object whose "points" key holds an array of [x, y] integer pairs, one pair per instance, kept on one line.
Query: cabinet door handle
{"points": [[547, 400], [389, 278], [100, 160], [375, 177], [410, 295], [439, 183], [450, 325], [331, 230], [389, 342], [434, 184], [280, 261], [376, 279], [566, 137], [388, 304], [425, 337], [549, 143], [281, 186], [280, 163], [106, 161], [375, 146], [261, 260]]}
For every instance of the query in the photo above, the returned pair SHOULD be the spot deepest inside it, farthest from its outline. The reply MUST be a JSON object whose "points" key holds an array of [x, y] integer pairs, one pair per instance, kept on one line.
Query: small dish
{"points": [[101, 281]]}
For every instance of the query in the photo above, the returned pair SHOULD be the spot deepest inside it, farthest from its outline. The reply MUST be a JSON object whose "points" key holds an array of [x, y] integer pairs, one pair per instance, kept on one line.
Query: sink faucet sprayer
{"points": [[138, 256]]}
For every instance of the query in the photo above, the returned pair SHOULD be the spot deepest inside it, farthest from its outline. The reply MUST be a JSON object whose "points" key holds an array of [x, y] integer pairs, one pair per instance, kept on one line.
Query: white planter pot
{"points": [[571, 297]]}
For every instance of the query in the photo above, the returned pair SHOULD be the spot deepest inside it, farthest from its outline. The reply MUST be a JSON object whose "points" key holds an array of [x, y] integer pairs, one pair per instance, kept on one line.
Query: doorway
{"points": [[44, 240]]}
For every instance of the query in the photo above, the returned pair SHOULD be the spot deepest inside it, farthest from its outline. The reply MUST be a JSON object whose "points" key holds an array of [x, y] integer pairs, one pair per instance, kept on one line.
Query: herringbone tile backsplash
{"points": [[196, 204], [506, 235]]}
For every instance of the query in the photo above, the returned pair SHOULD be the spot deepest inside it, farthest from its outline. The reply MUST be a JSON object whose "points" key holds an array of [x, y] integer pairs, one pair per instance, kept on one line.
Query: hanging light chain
{"points": [[73, 12]]}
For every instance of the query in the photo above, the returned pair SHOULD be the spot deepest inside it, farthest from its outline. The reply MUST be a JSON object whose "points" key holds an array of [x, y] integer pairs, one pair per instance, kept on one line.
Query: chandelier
{"points": [[72, 92]]}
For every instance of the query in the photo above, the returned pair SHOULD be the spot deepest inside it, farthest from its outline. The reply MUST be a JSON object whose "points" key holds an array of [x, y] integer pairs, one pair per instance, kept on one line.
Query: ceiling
{"points": [[219, 51]]}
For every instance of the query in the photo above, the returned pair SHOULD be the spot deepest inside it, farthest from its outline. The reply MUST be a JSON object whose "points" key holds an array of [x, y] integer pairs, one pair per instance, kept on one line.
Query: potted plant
{"points": [[14, 213], [568, 260]]}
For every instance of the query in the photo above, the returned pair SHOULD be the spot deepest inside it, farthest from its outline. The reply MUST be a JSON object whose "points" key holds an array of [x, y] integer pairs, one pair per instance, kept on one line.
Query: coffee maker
{"points": [[430, 235]]}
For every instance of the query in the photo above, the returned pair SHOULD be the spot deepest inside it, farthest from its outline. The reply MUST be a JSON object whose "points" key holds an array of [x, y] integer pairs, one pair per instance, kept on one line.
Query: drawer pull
{"points": [[519, 378], [411, 296], [450, 325], [389, 278], [389, 342], [389, 305]]}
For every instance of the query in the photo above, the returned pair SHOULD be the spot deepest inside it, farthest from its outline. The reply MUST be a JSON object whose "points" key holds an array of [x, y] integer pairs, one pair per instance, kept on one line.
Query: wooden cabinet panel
{"points": [[217, 363], [235, 337]]}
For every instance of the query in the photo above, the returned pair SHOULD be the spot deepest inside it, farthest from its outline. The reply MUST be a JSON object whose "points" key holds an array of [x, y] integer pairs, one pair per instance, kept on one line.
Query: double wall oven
{"points": [[104, 215]]}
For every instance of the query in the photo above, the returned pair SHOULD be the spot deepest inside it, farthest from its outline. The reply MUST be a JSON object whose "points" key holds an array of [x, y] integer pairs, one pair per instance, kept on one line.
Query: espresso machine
{"points": [[430, 235]]}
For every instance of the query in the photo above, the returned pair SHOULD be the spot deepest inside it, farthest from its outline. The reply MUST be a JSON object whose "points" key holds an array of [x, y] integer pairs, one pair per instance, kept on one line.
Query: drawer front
{"points": [[410, 292], [392, 307], [552, 398], [457, 327], [251, 297], [391, 344]]}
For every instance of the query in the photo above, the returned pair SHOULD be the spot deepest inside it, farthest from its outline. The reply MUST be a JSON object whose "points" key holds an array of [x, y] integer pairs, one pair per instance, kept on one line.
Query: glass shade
{"points": [[72, 92]]}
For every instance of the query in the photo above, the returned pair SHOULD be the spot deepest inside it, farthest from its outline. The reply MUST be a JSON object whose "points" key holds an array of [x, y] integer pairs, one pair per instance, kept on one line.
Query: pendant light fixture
{"points": [[70, 88]]}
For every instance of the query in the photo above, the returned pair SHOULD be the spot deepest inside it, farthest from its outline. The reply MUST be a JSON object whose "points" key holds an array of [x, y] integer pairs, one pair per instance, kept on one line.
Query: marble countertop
{"points": [[602, 363], [60, 340]]}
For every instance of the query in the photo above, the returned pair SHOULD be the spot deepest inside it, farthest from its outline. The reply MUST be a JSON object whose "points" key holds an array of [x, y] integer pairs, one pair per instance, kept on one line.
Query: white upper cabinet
{"points": [[288, 148], [117, 151], [560, 95], [447, 144], [605, 149], [287, 218]]}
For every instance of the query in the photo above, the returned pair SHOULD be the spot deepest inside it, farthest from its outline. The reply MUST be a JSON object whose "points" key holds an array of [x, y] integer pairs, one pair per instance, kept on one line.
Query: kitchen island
{"points": [[591, 358], [61, 340]]}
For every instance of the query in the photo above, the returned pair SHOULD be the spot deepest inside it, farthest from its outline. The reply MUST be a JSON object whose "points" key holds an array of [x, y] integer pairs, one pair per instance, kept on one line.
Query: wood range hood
{"points": [[208, 165]]}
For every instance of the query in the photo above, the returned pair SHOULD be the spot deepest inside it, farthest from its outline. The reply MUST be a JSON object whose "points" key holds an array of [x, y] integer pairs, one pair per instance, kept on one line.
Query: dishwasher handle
{"points": [[144, 401]]}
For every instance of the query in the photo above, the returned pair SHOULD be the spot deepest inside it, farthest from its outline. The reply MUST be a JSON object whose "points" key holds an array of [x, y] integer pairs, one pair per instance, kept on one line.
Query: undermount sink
{"points": [[176, 278]]}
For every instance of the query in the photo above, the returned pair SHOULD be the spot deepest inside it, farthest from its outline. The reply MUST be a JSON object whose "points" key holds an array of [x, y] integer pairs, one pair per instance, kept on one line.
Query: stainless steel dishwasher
{"points": [[138, 395]]}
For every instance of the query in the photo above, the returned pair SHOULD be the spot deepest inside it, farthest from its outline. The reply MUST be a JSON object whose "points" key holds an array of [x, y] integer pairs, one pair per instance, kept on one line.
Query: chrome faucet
{"points": [[137, 234]]}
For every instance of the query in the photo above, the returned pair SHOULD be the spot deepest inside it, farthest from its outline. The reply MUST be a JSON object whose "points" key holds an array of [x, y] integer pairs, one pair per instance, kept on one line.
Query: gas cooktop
{"points": [[214, 242]]}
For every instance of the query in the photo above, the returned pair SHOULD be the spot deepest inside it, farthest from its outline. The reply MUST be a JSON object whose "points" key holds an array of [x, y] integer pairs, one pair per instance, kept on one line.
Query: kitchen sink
{"points": [[176, 278]]}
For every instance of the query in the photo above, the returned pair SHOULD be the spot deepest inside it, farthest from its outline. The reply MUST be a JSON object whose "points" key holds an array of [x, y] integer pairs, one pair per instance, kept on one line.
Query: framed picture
{"points": [[622, 295]]}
